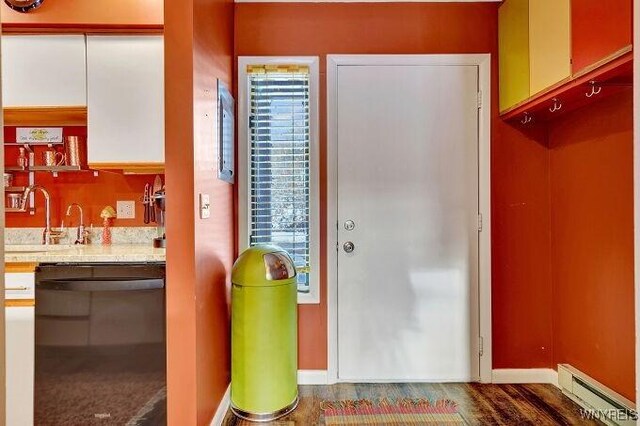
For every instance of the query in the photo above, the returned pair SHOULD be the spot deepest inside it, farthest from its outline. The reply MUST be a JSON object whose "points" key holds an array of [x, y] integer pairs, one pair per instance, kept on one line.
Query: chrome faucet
{"points": [[82, 236], [49, 236]]}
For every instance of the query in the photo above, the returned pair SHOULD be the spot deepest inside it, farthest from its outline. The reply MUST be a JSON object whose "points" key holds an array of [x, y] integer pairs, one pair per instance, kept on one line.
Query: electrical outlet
{"points": [[205, 206], [126, 209]]}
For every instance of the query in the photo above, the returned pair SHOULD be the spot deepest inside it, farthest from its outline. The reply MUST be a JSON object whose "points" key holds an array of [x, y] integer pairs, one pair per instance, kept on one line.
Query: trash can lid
{"points": [[263, 266]]}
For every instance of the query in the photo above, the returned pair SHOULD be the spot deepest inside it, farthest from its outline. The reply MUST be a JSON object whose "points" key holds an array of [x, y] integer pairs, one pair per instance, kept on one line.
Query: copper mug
{"points": [[50, 158], [72, 150]]}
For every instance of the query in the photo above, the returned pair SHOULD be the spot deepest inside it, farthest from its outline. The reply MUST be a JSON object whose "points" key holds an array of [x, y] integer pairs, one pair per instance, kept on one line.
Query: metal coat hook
{"points": [[526, 119], [595, 89], [557, 105]]}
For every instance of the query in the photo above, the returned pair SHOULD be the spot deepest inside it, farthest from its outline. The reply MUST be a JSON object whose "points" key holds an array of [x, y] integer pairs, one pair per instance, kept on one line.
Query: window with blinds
{"points": [[279, 148]]}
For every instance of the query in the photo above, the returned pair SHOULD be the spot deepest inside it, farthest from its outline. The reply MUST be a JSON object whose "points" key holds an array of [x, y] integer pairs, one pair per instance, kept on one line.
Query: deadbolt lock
{"points": [[348, 247]]}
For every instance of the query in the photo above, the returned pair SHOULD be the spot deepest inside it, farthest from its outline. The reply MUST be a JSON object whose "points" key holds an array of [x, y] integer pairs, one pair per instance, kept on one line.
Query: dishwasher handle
{"points": [[115, 284]]}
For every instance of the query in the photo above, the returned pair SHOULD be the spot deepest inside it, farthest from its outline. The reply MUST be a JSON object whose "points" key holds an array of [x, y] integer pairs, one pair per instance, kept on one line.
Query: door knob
{"points": [[348, 247]]}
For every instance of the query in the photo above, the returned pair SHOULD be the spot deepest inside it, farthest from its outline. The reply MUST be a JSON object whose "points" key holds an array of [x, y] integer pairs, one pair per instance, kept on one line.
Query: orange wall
{"points": [[87, 12], [198, 49], [93, 193], [521, 285], [592, 241], [521, 271]]}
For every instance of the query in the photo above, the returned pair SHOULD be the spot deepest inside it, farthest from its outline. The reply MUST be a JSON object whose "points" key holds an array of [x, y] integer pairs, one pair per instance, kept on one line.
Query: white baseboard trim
{"points": [[313, 377], [223, 407], [525, 375]]}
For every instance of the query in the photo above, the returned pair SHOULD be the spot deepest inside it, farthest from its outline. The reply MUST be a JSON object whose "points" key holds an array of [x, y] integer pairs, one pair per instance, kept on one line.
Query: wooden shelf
{"points": [[131, 168], [608, 77], [51, 116], [124, 29], [55, 169], [49, 169], [14, 188], [9, 210], [16, 169], [22, 144]]}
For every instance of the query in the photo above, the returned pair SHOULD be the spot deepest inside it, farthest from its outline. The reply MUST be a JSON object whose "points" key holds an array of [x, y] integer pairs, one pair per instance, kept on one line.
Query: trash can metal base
{"points": [[265, 417]]}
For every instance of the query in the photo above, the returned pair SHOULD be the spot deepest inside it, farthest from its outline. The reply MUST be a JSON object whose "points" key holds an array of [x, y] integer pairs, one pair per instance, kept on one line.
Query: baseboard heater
{"points": [[597, 401]]}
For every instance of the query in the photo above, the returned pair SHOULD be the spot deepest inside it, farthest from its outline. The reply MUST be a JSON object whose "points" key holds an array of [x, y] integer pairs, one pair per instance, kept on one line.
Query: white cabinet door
{"points": [[125, 99], [20, 364], [44, 70]]}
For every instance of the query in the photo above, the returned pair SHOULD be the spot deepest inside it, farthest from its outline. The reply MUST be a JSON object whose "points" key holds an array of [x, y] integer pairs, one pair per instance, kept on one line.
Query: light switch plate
{"points": [[205, 206], [126, 209]]}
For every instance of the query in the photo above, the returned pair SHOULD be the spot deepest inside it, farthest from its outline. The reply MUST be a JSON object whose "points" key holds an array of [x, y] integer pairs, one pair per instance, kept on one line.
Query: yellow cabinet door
{"points": [[513, 37], [549, 43]]}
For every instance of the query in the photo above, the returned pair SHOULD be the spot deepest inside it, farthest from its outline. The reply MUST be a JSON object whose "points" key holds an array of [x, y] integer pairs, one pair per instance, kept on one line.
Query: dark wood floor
{"points": [[479, 404]]}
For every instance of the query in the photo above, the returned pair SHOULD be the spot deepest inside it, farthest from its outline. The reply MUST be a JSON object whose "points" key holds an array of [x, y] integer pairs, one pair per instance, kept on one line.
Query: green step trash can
{"points": [[264, 334]]}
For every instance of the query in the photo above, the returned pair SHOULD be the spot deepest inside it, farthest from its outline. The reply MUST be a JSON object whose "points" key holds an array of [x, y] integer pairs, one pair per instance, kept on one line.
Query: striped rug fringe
{"points": [[384, 411]]}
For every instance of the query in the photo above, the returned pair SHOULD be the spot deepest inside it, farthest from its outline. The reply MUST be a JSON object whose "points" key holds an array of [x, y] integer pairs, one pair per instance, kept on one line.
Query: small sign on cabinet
{"points": [[38, 135]]}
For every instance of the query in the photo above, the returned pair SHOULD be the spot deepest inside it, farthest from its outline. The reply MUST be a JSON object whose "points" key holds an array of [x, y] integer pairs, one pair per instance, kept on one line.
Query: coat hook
{"points": [[526, 119], [595, 89], [557, 105]]}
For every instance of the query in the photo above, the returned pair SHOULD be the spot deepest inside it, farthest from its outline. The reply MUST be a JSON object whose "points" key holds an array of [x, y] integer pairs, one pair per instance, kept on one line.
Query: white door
{"points": [[408, 201]]}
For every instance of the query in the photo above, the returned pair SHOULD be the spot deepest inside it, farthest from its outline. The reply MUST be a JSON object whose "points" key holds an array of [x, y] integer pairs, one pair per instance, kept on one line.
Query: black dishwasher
{"points": [[100, 344]]}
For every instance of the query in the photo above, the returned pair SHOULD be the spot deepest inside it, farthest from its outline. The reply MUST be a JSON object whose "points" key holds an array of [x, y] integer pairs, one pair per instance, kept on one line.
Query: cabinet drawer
{"points": [[19, 285]]}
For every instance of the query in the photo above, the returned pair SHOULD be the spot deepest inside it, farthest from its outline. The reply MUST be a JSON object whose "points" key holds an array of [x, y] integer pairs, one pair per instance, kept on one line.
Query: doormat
{"points": [[404, 411]]}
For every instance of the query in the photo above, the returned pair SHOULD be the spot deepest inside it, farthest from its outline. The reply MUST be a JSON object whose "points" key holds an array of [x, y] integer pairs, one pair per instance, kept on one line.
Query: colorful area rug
{"points": [[404, 411]]}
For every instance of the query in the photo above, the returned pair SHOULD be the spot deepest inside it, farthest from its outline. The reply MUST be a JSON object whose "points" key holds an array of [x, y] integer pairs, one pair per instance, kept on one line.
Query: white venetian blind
{"points": [[279, 161]]}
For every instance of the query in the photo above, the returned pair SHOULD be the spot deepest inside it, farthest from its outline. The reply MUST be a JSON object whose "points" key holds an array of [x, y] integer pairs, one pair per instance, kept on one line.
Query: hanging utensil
{"points": [[147, 203], [157, 186], [152, 210]]}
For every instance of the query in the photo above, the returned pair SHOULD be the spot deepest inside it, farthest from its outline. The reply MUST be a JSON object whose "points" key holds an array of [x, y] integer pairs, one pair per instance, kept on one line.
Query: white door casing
{"points": [[417, 296]]}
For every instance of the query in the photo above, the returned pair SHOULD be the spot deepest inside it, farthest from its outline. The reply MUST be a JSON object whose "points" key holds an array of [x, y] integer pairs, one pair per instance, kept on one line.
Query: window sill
{"points": [[311, 298]]}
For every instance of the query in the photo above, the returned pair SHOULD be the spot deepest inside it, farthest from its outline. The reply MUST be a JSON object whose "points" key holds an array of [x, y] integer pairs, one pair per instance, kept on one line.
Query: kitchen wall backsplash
{"points": [[119, 235], [92, 192]]}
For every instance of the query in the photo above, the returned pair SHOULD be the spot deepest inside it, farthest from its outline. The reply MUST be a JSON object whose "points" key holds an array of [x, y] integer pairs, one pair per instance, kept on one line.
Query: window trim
{"points": [[313, 297]]}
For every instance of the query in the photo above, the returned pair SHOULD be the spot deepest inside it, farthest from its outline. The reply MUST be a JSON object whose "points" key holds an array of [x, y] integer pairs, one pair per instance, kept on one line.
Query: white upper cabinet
{"points": [[43, 70], [125, 92]]}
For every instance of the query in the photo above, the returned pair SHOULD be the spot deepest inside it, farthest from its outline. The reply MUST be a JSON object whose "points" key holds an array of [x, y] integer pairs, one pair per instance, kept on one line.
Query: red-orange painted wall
{"points": [[591, 154], [87, 12], [93, 193], [521, 271], [198, 50], [521, 286]]}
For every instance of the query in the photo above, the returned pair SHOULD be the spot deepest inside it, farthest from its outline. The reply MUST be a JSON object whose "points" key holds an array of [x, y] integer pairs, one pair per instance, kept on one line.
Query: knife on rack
{"points": [[147, 204], [157, 186], [152, 207]]}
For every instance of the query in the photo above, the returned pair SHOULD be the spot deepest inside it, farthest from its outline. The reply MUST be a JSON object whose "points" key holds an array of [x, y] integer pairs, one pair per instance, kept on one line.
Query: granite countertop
{"points": [[80, 253]]}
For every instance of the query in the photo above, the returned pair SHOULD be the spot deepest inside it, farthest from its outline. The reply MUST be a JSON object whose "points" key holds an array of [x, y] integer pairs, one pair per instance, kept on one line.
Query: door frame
{"points": [[483, 62]]}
